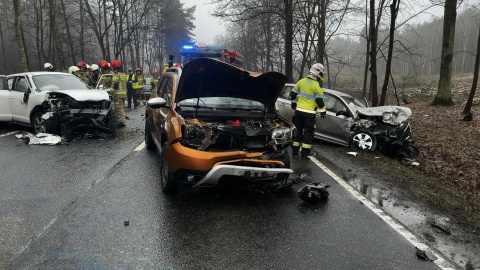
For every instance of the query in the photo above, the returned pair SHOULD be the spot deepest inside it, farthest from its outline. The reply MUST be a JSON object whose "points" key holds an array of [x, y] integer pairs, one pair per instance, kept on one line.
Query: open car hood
{"points": [[85, 95], [204, 77], [391, 114]]}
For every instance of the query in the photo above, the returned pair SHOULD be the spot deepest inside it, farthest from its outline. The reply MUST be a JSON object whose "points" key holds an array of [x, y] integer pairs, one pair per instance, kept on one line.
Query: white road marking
{"points": [[397, 226], [140, 147], [8, 134]]}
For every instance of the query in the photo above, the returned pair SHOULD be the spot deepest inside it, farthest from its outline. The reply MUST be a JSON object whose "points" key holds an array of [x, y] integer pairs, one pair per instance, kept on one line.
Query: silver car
{"points": [[350, 123], [335, 128]]}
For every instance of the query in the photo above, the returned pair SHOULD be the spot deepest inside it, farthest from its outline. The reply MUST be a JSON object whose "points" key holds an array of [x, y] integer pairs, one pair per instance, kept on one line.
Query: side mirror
{"points": [[157, 103]]}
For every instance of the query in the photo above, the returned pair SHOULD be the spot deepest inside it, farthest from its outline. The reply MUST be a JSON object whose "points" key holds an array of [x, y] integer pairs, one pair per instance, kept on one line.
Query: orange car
{"points": [[217, 124]]}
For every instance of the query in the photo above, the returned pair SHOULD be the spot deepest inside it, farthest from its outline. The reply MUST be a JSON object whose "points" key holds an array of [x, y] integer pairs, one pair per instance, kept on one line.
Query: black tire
{"points": [[111, 121], [363, 140], [41, 125], [149, 144], [168, 184]]}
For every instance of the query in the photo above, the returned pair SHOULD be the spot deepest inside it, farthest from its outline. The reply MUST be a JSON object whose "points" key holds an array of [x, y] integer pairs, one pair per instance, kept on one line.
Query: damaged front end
{"points": [[68, 114], [384, 128], [266, 162]]}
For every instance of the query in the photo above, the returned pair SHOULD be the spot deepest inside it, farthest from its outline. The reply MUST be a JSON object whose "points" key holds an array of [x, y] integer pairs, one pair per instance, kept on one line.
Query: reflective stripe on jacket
{"points": [[307, 91]]}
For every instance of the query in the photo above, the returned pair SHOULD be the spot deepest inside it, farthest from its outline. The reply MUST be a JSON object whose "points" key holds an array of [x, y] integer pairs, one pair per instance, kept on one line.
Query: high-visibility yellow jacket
{"points": [[153, 83], [308, 96], [119, 87]]}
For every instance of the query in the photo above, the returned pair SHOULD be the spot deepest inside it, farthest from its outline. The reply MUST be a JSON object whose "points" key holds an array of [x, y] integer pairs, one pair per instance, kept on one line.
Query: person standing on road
{"points": [[84, 74], [106, 81], [118, 90], [307, 97], [154, 80], [132, 85], [140, 88]]}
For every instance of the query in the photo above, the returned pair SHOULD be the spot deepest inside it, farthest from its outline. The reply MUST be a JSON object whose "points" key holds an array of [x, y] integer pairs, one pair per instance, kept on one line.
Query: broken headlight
{"points": [[282, 135]]}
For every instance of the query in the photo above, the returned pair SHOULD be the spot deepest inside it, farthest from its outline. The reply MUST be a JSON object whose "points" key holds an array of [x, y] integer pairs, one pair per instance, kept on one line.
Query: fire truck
{"points": [[190, 52]]}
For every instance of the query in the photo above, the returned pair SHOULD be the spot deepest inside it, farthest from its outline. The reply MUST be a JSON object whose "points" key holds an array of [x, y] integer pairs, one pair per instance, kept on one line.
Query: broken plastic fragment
{"points": [[313, 192], [352, 153], [45, 138], [426, 255]]}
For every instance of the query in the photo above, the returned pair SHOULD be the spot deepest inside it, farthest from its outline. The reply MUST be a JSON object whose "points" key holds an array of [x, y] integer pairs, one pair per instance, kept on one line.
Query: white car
{"points": [[52, 102]]}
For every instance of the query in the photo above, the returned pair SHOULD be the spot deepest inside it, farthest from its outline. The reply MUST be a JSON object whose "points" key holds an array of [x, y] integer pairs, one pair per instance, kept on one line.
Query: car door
{"points": [[334, 128], [5, 113], [18, 98], [160, 115], [283, 103]]}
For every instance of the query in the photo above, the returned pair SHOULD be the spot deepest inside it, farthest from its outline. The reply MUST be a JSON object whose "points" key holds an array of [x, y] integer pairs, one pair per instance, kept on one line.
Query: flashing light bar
{"points": [[187, 47]]}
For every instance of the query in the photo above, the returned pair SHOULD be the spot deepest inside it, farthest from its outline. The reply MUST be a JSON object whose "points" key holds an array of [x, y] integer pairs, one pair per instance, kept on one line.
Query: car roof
{"points": [[335, 92], [34, 73]]}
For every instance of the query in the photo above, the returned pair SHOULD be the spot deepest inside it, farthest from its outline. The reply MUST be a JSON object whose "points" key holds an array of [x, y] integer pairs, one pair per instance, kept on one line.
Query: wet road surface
{"points": [[97, 204]]}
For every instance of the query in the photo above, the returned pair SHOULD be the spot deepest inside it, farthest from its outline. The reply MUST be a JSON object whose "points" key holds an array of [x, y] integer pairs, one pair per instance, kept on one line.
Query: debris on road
{"points": [[426, 255], [40, 138], [440, 227], [352, 153], [314, 192], [126, 223]]}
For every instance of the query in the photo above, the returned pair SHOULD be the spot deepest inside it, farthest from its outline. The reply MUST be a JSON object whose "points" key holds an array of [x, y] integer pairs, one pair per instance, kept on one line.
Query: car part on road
{"points": [[314, 192]]}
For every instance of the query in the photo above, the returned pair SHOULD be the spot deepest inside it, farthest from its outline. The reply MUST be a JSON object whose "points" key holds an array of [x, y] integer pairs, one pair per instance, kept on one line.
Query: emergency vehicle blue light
{"points": [[187, 47]]}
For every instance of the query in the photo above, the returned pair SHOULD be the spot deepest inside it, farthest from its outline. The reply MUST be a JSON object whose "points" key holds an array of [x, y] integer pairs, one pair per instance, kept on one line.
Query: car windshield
{"points": [[354, 101], [223, 103], [54, 82]]}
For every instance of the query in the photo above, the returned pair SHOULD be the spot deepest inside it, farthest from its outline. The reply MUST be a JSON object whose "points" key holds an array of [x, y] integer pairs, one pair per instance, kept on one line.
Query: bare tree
{"points": [[393, 16], [467, 110], [19, 38], [444, 93]]}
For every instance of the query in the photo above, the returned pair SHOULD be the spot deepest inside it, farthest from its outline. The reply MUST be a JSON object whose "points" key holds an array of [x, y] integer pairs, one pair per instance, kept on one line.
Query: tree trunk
{"points": [[321, 31], [367, 56], [2, 42], [69, 36], [288, 39], [18, 36], [393, 11], [373, 55], [467, 111], [444, 93], [82, 27]]}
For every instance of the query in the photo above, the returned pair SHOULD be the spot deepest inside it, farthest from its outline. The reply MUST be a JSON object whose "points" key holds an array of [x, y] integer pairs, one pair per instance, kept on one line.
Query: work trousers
{"points": [[305, 125], [132, 94]]}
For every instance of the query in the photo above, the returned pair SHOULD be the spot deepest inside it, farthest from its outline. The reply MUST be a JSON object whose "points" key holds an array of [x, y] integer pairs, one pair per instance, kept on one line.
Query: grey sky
{"points": [[207, 27]]}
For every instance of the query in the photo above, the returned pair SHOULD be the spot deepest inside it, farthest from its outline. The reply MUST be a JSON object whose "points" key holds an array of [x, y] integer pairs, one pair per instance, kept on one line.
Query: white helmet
{"points": [[48, 67], [73, 69], [317, 69], [88, 66], [94, 67]]}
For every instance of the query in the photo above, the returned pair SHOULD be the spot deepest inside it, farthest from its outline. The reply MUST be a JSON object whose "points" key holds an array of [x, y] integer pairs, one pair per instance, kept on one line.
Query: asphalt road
{"points": [[96, 204]]}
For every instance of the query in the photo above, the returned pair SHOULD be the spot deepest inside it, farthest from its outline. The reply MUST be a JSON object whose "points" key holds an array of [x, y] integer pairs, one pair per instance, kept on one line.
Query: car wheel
{"points": [[149, 144], [111, 121], [363, 140], [166, 180], [41, 125]]}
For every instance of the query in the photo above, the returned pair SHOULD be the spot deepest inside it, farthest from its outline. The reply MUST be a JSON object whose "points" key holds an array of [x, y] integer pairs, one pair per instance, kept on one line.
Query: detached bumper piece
{"points": [[314, 192]]}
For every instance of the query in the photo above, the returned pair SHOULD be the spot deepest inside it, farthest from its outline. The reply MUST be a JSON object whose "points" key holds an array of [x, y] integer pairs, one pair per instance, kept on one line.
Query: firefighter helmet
{"points": [[138, 69], [73, 69], [48, 67], [317, 69], [81, 64], [116, 64], [154, 72], [104, 64], [94, 67]]}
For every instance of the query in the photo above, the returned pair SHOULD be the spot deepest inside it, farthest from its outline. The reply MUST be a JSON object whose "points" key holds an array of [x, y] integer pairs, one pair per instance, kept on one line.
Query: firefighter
{"points": [[140, 88], [84, 74], [132, 86], [118, 90], [154, 80], [48, 67], [307, 97], [95, 75], [106, 81]]}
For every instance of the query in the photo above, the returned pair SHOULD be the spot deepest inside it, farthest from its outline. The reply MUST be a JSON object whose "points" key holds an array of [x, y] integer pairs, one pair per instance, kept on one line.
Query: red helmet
{"points": [[81, 64], [138, 69], [154, 72], [103, 64], [116, 64]]}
